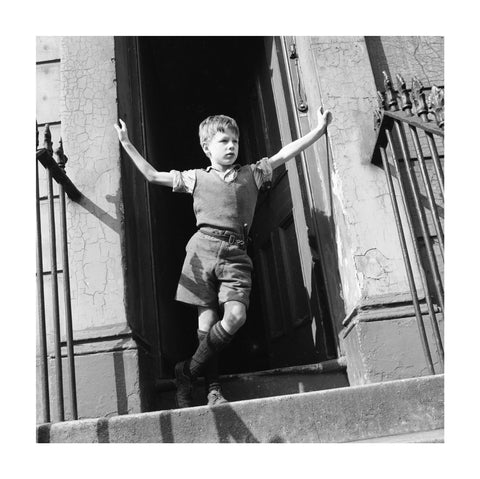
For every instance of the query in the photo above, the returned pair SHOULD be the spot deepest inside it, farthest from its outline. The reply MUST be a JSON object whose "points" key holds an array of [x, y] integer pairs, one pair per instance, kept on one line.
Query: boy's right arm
{"points": [[148, 171]]}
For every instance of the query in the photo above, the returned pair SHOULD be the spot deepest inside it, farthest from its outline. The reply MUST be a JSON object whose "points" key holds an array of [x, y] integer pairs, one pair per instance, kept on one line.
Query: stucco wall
{"points": [[76, 90], [340, 73], [409, 56], [339, 76], [88, 111], [389, 349]]}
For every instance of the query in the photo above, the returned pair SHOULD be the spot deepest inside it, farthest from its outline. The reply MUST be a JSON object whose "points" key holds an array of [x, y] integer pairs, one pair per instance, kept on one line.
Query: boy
{"points": [[217, 270]]}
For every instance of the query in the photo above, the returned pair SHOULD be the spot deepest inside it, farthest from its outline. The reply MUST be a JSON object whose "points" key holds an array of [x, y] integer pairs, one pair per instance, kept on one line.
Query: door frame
{"points": [[141, 297], [131, 107]]}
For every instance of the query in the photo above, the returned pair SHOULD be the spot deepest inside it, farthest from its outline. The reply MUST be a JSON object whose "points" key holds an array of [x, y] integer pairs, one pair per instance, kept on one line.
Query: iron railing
{"points": [[410, 143], [54, 164]]}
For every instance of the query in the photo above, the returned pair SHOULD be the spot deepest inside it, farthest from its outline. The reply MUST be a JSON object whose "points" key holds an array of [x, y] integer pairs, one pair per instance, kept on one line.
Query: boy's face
{"points": [[222, 149]]}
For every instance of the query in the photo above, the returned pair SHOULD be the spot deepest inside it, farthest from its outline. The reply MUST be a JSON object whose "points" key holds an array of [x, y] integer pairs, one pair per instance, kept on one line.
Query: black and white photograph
{"points": [[240, 239], [253, 233]]}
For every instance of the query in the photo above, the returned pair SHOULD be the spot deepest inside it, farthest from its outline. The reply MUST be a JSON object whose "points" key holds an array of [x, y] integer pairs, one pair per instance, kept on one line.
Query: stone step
{"points": [[435, 436], [274, 382], [336, 415]]}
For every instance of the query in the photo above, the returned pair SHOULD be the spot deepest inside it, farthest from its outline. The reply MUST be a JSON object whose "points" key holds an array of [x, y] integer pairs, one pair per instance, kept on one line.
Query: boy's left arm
{"points": [[295, 147]]}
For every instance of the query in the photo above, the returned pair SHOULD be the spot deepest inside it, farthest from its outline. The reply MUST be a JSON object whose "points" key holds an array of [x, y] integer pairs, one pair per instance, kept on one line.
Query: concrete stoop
{"points": [[435, 436], [389, 409], [261, 384]]}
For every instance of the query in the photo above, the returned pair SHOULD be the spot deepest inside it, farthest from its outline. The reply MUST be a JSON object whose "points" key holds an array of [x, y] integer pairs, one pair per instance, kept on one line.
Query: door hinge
{"points": [[302, 105]]}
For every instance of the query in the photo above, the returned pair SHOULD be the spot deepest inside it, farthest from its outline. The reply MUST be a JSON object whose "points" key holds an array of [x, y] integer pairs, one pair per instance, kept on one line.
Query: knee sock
{"points": [[211, 368], [217, 338]]}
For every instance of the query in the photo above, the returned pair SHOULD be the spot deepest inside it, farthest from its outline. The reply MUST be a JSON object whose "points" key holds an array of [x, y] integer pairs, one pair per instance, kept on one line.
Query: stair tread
{"points": [[433, 436], [386, 412]]}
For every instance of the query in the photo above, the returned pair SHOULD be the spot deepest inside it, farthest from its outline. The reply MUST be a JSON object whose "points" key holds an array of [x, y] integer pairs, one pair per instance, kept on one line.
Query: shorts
{"points": [[214, 272]]}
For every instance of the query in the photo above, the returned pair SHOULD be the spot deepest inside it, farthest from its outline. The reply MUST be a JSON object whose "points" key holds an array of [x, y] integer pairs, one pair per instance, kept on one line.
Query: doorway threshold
{"points": [[268, 383]]}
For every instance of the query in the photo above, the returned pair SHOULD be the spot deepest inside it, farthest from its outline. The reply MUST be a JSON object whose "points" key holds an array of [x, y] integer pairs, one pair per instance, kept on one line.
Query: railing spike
{"points": [[391, 100], [421, 108], [381, 100], [47, 141], [435, 105], [378, 112], [36, 126], [60, 157], [404, 95]]}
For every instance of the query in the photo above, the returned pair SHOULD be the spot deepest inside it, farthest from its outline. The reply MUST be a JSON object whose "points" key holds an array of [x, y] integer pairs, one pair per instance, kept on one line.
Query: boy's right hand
{"points": [[121, 130], [324, 117]]}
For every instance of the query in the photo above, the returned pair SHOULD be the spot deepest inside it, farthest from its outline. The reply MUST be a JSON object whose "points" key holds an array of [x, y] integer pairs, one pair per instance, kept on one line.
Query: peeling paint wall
{"points": [[408, 56], [369, 254], [343, 74], [388, 350], [88, 111], [76, 89]]}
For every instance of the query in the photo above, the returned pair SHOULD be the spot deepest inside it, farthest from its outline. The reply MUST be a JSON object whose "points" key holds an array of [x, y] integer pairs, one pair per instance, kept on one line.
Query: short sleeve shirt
{"points": [[184, 181]]}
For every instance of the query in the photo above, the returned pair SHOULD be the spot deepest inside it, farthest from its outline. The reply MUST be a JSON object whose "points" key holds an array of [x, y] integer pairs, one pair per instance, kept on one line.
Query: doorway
{"points": [[182, 81]]}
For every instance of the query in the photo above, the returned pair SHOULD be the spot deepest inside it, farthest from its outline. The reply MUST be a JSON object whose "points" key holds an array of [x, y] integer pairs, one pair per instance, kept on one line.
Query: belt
{"points": [[230, 238]]}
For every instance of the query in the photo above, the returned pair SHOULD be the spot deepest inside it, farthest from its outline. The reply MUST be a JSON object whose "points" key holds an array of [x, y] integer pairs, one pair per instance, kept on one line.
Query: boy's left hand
{"points": [[324, 117]]}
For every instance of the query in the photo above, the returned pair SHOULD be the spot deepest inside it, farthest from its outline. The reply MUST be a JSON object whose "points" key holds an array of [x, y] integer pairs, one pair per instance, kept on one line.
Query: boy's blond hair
{"points": [[209, 127]]}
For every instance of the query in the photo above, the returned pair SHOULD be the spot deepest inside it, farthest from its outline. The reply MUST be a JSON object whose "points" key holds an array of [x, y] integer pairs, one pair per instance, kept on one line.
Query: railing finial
{"points": [[59, 155], [404, 95], [435, 105], [378, 112], [380, 100], [418, 95], [390, 100], [47, 139]]}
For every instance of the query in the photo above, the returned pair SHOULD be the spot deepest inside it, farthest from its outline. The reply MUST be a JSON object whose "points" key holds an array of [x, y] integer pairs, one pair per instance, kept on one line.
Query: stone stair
{"points": [[435, 436], [407, 410], [261, 384]]}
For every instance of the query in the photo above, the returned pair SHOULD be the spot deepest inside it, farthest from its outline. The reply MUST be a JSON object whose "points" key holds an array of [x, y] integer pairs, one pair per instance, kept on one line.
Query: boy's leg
{"points": [[234, 316], [218, 337], [207, 317]]}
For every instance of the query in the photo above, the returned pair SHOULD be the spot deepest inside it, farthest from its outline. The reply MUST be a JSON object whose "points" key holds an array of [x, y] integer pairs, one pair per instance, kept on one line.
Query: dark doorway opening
{"points": [[184, 80]]}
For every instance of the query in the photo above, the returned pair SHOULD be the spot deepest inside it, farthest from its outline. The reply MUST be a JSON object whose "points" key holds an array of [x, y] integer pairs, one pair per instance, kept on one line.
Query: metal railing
{"points": [[410, 143], [54, 164]]}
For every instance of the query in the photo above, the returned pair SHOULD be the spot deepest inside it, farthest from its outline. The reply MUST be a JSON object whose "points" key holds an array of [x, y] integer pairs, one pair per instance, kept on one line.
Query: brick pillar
{"points": [[377, 331]]}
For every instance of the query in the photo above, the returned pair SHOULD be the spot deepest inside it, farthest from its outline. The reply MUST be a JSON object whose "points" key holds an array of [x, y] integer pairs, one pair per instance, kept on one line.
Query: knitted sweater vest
{"points": [[225, 206]]}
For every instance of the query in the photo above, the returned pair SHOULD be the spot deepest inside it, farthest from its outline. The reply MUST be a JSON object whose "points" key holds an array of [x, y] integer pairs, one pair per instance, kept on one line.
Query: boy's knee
{"points": [[207, 317], [235, 314]]}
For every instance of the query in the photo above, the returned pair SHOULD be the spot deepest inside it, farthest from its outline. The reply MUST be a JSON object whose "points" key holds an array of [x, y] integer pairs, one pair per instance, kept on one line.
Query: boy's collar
{"points": [[235, 166]]}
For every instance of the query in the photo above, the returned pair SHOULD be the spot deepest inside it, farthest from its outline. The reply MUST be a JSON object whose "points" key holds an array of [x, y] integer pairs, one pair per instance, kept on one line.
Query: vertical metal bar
{"points": [[61, 160], [55, 307], [421, 216], [42, 329], [436, 161], [406, 258], [428, 188], [421, 108], [428, 299], [68, 305]]}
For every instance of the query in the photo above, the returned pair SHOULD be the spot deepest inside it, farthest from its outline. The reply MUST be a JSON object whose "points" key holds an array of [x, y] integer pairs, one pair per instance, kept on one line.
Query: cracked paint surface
{"points": [[375, 269], [370, 259], [422, 56], [88, 112]]}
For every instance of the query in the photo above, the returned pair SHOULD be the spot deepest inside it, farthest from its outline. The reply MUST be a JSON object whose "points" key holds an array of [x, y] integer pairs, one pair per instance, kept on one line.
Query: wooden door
{"points": [[279, 286]]}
